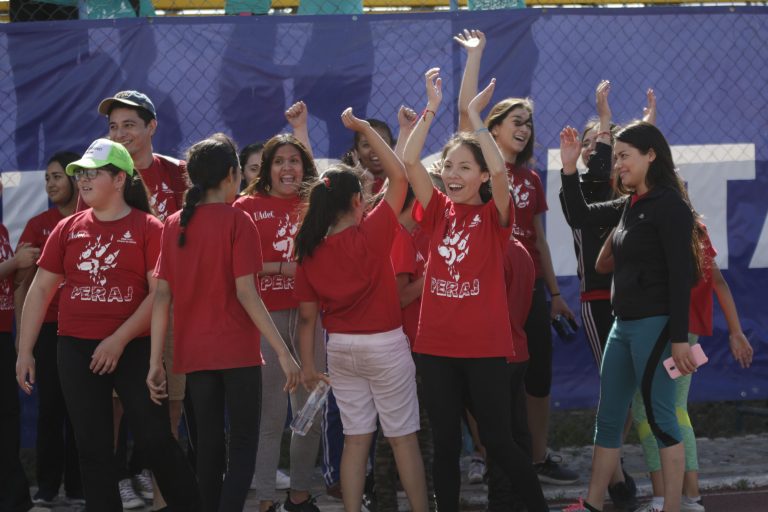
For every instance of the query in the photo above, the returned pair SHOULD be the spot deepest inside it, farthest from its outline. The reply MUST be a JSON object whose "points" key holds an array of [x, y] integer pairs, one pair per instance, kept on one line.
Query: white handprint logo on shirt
{"points": [[96, 260], [522, 192], [284, 237], [455, 245], [160, 207], [5, 284]]}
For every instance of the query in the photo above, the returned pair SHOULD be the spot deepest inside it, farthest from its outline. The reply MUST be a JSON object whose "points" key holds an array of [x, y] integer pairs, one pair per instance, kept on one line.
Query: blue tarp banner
{"points": [[238, 75]]}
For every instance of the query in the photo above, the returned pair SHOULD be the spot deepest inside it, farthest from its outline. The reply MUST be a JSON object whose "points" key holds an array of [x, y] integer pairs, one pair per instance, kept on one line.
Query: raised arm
{"points": [[492, 155], [417, 173], [473, 42], [297, 116], [397, 183], [649, 111], [406, 119], [579, 213]]}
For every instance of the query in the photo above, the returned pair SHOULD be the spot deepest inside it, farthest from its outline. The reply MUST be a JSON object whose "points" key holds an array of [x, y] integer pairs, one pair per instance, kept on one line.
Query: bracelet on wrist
{"points": [[424, 114], [604, 134], [481, 130], [554, 294]]}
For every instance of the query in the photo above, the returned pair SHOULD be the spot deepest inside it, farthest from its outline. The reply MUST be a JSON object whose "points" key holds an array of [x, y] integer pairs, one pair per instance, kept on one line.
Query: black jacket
{"points": [[653, 264], [587, 242]]}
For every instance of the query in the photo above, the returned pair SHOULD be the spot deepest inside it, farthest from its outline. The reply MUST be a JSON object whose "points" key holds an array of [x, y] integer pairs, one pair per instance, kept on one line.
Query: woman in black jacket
{"points": [[655, 253]]}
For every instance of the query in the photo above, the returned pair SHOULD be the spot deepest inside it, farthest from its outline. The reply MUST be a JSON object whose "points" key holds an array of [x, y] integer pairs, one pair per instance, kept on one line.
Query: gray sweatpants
{"points": [[274, 408]]}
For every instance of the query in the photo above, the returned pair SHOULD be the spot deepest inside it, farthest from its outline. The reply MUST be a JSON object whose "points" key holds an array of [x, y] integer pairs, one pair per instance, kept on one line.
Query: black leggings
{"points": [[538, 328], [89, 401], [55, 445], [502, 494], [487, 384], [14, 488], [239, 389]]}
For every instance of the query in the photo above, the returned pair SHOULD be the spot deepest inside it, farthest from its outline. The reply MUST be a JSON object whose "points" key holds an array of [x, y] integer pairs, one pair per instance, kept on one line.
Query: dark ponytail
{"points": [[134, 192], [329, 197], [209, 162]]}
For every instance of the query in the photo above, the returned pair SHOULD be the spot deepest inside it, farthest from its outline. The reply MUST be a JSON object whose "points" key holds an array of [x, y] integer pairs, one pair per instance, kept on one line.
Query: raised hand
{"points": [[297, 114], [406, 117], [649, 111], [601, 99], [353, 123], [482, 99], [472, 40], [434, 88], [570, 149]]}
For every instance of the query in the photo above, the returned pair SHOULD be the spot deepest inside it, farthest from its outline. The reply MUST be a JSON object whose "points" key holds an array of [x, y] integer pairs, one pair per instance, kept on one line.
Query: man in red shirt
{"points": [[132, 122]]}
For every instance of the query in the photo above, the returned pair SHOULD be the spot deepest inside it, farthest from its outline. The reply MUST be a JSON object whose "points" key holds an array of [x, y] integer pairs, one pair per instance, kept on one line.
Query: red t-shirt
{"points": [[464, 292], [702, 300], [530, 200], [407, 260], [211, 329], [519, 275], [36, 233], [278, 221], [350, 275], [105, 265], [6, 284], [167, 182]]}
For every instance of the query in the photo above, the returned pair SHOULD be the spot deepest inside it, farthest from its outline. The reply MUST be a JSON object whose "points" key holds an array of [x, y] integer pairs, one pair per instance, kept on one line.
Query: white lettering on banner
{"points": [[276, 282], [453, 289], [101, 294], [707, 169]]}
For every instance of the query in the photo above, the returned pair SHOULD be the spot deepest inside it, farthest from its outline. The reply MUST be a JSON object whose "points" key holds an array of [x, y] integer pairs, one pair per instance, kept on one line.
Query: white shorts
{"points": [[374, 374]]}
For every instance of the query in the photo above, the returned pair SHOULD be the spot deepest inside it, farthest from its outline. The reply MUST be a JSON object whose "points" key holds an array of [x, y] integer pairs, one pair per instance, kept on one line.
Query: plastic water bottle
{"points": [[302, 422]]}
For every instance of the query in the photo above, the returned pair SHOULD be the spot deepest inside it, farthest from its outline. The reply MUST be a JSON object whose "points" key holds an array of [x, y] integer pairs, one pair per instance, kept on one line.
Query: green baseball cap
{"points": [[103, 152]]}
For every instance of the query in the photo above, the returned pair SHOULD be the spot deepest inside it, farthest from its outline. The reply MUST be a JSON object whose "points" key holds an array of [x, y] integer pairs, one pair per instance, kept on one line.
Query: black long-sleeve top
{"points": [[653, 263], [587, 242]]}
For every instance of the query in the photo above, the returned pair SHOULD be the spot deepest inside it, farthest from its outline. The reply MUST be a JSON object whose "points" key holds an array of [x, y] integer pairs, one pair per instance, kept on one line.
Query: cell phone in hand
{"points": [[699, 357]]}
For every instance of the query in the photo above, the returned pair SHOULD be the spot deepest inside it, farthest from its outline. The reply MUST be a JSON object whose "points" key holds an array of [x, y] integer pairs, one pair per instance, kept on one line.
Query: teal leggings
{"points": [[633, 360], [650, 449]]}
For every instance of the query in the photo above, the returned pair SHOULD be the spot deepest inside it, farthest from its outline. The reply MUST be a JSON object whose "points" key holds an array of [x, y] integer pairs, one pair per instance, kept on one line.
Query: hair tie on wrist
{"points": [[481, 130], [424, 114], [607, 134]]}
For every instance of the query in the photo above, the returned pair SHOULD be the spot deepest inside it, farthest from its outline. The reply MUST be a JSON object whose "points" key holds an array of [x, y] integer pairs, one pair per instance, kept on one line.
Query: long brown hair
{"points": [[263, 182]]}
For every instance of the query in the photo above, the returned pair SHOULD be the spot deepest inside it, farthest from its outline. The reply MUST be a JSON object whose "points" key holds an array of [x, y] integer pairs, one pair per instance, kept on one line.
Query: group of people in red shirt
{"points": [[432, 297]]}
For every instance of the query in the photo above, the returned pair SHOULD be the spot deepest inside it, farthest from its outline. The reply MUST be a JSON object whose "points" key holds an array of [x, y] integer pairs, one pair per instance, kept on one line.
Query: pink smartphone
{"points": [[698, 356]]}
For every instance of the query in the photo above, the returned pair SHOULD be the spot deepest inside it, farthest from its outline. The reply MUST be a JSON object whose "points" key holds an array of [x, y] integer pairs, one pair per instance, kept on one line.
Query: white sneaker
{"points": [[142, 483], [282, 481], [689, 505], [476, 470], [128, 496]]}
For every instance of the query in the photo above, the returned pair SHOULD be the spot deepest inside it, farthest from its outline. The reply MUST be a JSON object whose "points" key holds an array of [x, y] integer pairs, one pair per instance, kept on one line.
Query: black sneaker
{"points": [[551, 472], [307, 505], [622, 496]]}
